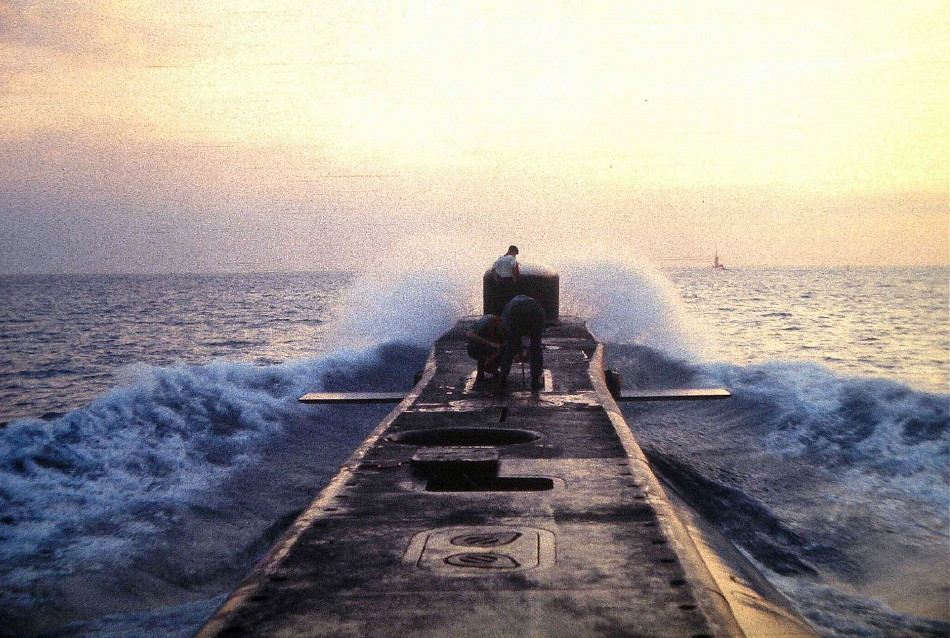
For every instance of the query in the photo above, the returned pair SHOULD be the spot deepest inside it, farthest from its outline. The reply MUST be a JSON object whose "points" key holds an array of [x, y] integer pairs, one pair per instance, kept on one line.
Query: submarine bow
{"points": [[477, 514]]}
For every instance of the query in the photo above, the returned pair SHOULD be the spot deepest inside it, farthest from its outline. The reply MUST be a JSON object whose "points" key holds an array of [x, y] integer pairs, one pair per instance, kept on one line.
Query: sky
{"points": [[247, 135]]}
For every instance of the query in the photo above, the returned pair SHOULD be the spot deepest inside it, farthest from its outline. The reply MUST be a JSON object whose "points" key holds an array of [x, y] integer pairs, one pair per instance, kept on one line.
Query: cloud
{"points": [[224, 135], [93, 30], [76, 202]]}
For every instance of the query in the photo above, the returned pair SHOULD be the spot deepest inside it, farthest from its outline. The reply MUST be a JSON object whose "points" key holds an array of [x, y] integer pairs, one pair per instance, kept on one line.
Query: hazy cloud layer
{"points": [[94, 31], [252, 135], [77, 204]]}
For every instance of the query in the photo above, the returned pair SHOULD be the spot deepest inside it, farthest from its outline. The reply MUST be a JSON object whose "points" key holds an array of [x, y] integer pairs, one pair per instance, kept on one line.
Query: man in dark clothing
{"points": [[485, 340], [522, 317]]}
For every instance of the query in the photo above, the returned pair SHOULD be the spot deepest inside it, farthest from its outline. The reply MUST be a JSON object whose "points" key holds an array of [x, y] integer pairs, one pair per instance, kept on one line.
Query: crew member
{"points": [[522, 317], [505, 273], [485, 339]]}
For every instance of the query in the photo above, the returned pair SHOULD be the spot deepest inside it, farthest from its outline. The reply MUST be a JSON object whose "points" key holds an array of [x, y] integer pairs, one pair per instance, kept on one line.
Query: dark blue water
{"points": [[66, 339], [173, 452]]}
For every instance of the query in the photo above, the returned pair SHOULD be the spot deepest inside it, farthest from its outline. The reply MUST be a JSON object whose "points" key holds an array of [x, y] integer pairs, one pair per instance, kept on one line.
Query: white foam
{"points": [[412, 307], [101, 482], [876, 430], [628, 303]]}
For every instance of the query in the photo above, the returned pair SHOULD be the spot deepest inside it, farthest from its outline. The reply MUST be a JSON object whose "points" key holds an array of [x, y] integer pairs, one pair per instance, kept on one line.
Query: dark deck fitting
{"points": [[466, 514]]}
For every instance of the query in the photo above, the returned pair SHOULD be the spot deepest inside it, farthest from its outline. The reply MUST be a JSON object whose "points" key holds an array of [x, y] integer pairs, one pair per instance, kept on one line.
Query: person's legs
{"points": [[531, 322], [537, 361], [524, 316], [479, 369], [511, 348]]}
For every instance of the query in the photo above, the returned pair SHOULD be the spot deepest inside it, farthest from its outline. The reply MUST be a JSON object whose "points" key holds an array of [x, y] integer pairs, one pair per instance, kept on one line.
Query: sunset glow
{"points": [[396, 110]]}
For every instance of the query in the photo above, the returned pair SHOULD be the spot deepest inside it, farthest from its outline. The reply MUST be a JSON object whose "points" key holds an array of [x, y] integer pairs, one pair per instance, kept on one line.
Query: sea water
{"points": [[154, 448]]}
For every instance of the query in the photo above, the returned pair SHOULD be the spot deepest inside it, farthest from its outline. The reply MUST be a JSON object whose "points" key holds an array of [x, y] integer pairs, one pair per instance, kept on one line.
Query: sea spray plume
{"points": [[628, 303], [413, 307]]}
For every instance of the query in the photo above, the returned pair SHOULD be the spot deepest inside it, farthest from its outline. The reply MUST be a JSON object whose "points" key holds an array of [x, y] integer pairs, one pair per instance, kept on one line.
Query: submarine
{"points": [[474, 513]]}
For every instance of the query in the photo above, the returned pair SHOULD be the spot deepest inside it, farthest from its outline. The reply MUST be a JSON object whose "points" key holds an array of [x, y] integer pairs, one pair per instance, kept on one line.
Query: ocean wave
{"points": [[812, 473], [166, 491], [875, 426], [88, 497]]}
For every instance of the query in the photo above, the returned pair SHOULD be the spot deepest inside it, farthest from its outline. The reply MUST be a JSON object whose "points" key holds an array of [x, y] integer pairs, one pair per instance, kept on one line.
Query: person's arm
{"points": [[515, 272], [494, 274], [474, 337]]}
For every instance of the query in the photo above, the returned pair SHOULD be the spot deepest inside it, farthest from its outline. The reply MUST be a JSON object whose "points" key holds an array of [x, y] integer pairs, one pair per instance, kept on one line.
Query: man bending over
{"points": [[522, 317], [484, 345]]}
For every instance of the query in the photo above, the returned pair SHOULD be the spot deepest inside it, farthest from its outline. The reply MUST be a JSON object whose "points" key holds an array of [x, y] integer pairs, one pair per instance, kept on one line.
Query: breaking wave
{"points": [[167, 486], [812, 474], [632, 304]]}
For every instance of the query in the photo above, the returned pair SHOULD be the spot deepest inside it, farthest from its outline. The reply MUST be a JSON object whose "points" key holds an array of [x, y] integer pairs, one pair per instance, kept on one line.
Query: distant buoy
{"points": [[537, 281]]}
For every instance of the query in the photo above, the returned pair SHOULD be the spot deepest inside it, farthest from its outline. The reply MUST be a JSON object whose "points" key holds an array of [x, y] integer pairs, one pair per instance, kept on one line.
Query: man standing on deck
{"points": [[522, 317], [505, 272]]}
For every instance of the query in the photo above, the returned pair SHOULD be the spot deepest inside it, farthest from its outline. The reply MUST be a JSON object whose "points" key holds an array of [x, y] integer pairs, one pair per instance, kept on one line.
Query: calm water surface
{"points": [[66, 339], [880, 322]]}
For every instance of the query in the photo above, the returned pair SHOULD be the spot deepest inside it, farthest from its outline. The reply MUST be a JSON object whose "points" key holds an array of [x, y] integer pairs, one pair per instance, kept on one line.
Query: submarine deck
{"points": [[468, 513]]}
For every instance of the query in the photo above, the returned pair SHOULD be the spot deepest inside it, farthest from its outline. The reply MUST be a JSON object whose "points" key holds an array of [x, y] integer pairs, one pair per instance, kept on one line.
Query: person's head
{"points": [[512, 250]]}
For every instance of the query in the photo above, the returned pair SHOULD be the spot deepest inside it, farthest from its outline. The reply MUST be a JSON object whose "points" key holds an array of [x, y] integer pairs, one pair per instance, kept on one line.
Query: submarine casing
{"points": [[472, 514]]}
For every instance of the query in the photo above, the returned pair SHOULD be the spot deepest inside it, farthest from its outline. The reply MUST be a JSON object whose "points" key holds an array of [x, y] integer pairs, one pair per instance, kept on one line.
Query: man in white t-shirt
{"points": [[505, 273], [506, 266]]}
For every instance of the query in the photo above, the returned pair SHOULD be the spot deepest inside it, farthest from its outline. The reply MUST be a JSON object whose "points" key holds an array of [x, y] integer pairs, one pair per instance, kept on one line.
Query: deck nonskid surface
{"points": [[564, 539]]}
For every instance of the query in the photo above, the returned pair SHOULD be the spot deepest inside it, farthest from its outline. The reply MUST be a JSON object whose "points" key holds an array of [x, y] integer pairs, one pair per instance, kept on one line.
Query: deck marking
{"points": [[483, 560], [438, 549]]}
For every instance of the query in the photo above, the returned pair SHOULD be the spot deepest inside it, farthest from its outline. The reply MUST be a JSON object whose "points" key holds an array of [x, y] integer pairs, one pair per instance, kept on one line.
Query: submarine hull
{"points": [[468, 513]]}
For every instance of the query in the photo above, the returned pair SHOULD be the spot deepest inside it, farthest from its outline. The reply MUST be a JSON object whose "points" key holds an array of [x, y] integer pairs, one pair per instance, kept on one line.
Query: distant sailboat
{"points": [[718, 265]]}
